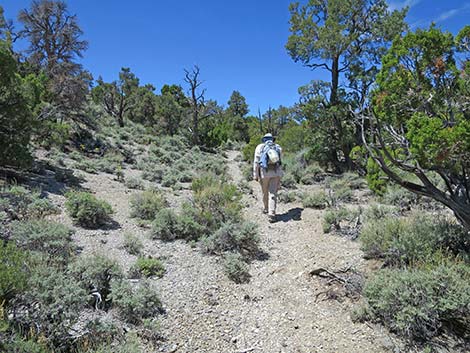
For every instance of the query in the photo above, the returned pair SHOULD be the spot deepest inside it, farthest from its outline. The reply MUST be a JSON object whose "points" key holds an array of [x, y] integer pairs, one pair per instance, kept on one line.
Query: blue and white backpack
{"points": [[270, 155]]}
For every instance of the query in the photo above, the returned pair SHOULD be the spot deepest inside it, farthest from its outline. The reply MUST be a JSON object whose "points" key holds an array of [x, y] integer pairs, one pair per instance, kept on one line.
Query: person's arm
{"points": [[256, 159]]}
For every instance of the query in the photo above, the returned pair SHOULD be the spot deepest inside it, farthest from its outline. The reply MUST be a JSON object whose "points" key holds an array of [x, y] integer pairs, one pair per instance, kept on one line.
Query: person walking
{"points": [[267, 171]]}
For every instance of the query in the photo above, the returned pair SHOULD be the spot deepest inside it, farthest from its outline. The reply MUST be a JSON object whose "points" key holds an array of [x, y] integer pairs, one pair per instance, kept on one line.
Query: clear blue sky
{"points": [[238, 45]]}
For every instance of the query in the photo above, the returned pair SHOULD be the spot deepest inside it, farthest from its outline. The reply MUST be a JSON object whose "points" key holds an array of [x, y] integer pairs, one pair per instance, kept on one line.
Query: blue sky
{"points": [[238, 45]]}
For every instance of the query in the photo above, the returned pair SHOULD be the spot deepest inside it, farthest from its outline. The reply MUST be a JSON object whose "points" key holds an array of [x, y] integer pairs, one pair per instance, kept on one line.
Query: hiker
{"points": [[267, 170]]}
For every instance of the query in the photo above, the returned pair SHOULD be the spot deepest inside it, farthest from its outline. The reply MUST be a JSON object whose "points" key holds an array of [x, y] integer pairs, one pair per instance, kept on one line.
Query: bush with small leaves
{"points": [[164, 226], [236, 268], [169, 179], [86, 165], [86, 210], [235, 237], [96, 272], [132, 244], [18, 202], [397, 196], [147, 267], [147, 204], [57, 300], [378, 211], [13, 272], [152, 172], [288, 181], [287, 197], [417, 238], [52, 238], [312, 174], [420, 303], [188, 226], [135, 303], [217, 202], [316, 200], [134, 183], [333, 218]]}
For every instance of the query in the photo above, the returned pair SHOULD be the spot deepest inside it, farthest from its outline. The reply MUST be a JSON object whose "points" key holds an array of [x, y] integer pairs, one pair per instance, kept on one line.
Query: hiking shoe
{"points": [[272, 218]]}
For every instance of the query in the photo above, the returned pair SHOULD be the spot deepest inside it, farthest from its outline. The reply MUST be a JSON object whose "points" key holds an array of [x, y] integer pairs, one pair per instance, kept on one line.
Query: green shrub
{"points": [[147, 267], [135, 303], [377, 211], [164, 226], [406, 240], [316, 200], [418, 303], [217, 202], [332, 219], [48, 237], [398, 196], [312, 174], [18, 344], [86, 210], [288, 181], [287, 197], [87, 165], [248, 151], [147, 204], [169, 179], [96, 271], [13, 272], [134, 183], [187, 225], [20, 203], [57, 300], [236, 268], [239, 237], [132, 244], [152, 172]]}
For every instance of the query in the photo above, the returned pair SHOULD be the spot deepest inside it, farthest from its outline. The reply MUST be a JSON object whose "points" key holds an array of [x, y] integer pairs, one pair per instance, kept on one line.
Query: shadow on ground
{"points": [[294, 214]]}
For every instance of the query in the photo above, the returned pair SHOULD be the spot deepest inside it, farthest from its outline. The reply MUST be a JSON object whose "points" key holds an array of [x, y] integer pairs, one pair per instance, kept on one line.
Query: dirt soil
{"points": [[282, 309]]}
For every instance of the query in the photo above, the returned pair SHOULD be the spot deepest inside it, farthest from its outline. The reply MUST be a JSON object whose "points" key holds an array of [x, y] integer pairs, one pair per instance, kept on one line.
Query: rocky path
{"points": [[281, 309]]}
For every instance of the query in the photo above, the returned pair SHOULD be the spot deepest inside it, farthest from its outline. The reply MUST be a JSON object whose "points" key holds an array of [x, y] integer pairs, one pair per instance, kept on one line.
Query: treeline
{"points": [[395, 107]]}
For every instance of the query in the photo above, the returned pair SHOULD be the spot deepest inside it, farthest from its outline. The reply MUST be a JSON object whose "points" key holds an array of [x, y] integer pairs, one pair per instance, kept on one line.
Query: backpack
{"points": [[270, 155]]}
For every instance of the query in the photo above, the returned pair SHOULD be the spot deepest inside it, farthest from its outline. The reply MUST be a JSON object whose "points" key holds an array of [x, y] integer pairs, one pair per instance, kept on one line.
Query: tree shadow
{"points": [[294, 214], [45, 177]]}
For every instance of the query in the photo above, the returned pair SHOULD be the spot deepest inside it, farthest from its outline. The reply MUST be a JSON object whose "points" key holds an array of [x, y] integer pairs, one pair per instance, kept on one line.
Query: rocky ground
{"points": [[282, 309]]}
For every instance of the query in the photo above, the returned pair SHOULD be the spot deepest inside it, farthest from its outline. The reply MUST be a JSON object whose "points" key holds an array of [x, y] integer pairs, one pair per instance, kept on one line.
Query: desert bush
{"points": [[247, 171], [164, 226], [152, 172], [236, 268], [188, 226], [86, 210], [216, 201], [135, 303], [147, 204], [147, 267], [315, 200], [86, 165], [288, 181], [18, 344], [134, 183], [170, 178], [20, 203], [96, 272], [312, 174], [245, 187], [45, 236], [378, 211], [287, 197], [332, 219], [13, 272], [132, 244], [419, 303], [57, 300], [234, 237], [417, 238], [397, 196]]}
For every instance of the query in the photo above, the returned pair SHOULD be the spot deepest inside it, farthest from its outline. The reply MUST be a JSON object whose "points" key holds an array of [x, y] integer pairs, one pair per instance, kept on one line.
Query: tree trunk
{"points": [[334, 81]]}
